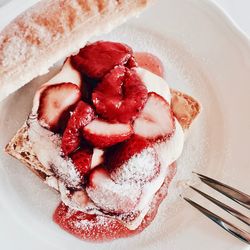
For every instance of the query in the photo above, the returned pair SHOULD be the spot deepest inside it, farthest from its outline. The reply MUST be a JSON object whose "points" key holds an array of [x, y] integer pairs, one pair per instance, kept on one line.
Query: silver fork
{"points": [[232, 193]]}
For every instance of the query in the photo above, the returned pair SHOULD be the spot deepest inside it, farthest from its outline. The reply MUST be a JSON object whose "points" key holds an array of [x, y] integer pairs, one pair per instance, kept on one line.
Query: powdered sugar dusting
{"points": [[112, 197], [139, 169], [89, 225], [47, 146]]}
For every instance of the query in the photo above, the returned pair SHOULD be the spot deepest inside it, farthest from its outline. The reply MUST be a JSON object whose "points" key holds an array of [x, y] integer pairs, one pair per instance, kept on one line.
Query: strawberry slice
{"points": [[120, 96], [102, 134], [108, 195], [82, 115], [134, 161], [82, 159], [97, 59], [156, 120], [55, 102]]}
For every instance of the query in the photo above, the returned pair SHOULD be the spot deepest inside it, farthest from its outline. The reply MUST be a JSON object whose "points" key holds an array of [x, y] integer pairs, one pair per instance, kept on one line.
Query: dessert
{"points": [[105, 133]]}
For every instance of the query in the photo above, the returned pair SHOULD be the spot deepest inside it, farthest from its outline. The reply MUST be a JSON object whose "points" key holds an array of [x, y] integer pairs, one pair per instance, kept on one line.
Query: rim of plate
{"points": [[230, 21]]}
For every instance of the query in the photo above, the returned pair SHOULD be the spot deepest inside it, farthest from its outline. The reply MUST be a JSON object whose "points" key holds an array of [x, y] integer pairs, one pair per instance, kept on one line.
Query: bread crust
{"points": [[51, 30], [20, 147], [185, 108]]}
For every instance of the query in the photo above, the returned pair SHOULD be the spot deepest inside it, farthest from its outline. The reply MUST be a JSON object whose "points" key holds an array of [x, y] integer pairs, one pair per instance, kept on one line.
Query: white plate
{"points": [[204, 55]]}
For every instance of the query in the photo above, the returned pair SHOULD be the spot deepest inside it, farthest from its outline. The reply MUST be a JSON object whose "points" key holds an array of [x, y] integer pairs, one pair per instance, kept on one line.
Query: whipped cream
{"points": [[47, 146], [97, 157], [155, 83]]}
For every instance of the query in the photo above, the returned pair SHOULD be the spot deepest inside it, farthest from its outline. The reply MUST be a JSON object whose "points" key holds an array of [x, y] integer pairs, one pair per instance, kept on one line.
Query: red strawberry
{"points": [[131, 63], [97, 59], [156, 120], [82, 159], [108, 195], [55, 101], [102, 134], [134, 161], [150, 62], [120, 96], [82, 115]]}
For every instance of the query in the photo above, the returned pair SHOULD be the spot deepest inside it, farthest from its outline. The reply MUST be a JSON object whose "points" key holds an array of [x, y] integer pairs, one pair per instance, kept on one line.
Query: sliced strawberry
{"points": [[82, 159], [120, 96], [108, 195], [82, 115], [134, 161], [102, 134], [97, 59], [156, 120], [55, 101]]}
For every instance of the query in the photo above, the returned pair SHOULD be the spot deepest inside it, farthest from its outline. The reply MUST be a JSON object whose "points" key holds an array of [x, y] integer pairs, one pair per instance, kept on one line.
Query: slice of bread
{"points": [[185, 109], [52, 30]]}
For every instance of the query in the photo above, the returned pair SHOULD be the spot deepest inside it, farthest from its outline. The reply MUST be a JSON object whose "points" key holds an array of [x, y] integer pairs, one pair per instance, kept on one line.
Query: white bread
{"points": [[50, 31]]}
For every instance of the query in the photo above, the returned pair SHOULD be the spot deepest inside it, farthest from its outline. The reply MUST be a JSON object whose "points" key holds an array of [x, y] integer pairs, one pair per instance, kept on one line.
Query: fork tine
{"points": [[238, 233], [225, 207], [232, 193]]}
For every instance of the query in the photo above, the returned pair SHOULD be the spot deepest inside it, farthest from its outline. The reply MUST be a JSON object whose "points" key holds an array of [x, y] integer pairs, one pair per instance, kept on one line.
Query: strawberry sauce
{"points": [[149, 62], [98, 228]]}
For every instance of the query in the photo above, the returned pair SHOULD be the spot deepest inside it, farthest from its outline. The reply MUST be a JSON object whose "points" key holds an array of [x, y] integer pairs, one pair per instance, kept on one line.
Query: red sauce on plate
{"points": [[150, 62]]}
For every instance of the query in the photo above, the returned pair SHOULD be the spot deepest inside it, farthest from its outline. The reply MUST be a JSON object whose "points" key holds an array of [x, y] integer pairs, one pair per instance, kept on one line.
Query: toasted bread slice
{"points": [[185, 109], [21, 148]]}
